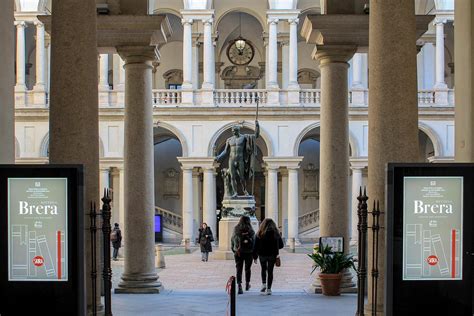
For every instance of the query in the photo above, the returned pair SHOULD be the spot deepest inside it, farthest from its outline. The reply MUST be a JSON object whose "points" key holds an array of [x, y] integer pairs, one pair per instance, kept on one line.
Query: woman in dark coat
{"points": [[267, 245], [242, 243], [205, 238]]}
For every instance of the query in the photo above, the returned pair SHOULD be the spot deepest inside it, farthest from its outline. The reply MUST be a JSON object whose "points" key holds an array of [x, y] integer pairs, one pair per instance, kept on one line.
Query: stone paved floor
{"points": [[193, 287]]}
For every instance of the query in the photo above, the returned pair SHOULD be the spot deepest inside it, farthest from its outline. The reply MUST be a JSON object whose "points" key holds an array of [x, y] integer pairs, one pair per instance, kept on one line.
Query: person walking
{"points": [[268, 242], [242, 243], [116, 239], [205, 238]]}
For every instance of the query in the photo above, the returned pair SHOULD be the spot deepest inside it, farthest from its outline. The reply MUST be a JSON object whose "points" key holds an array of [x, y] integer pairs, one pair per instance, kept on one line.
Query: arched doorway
{"points": [[168, 179], [427, 149]]}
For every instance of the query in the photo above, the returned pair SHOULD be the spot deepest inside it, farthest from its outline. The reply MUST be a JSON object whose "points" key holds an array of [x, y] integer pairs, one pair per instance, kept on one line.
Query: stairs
{"points": [[172, 225], [308, 226]]}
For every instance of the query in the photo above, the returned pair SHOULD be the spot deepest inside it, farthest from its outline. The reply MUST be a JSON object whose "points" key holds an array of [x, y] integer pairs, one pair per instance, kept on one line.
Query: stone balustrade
{"points": [[248, 98], [170, 220]]}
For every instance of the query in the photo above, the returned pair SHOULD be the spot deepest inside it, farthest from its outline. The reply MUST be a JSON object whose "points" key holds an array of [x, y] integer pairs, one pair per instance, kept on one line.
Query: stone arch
{"points": [[44, 147], [167, 11], [176, 132], [433, 136], [173, 76], [264, 134], [248, 11], [307, 129]]}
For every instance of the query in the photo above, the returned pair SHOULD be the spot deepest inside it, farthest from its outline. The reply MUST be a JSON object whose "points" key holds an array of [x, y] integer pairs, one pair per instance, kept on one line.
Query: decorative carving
{"points": [[310, 182], [173, 76], [171, 187], [236, 77], [308, 76]]}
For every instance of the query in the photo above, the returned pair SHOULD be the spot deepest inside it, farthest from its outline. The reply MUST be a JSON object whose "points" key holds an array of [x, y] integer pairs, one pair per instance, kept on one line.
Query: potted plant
{"points": [[331, 265]]}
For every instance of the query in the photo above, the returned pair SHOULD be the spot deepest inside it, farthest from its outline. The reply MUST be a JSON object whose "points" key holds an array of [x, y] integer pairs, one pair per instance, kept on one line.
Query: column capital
{"points": [[440, 21], [187, 21], [334, 53], [38, 24], [208, 21], [358, 163], [138, 54], [272, 20], [294, 21], [20, 24]]}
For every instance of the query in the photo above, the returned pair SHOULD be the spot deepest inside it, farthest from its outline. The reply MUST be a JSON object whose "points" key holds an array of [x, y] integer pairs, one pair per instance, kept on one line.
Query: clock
{"points": [[241, 56]]}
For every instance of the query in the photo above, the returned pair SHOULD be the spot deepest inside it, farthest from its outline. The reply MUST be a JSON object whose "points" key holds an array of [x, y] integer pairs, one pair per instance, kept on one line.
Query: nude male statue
{"points": [[241, 151]]}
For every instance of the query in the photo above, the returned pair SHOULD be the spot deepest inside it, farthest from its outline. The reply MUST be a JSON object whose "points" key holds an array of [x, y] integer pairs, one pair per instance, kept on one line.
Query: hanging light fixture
{"points": [[240, 41]]}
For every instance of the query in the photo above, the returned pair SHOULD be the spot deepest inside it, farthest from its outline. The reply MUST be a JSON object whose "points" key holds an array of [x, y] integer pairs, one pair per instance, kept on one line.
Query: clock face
{"points": [[240, 57]]}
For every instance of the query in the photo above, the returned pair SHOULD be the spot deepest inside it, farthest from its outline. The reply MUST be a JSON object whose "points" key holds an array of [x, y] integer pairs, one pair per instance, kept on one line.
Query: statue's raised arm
{"points": [[224, 153]]}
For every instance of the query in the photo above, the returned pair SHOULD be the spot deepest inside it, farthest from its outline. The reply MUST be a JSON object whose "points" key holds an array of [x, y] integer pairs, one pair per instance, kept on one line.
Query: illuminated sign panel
{"points": [[37, 229], [432, 228]]}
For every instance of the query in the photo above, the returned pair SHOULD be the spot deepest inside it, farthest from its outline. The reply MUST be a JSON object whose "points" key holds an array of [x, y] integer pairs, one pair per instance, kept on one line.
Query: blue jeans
{"points": [[205, 255], [114, 256]]}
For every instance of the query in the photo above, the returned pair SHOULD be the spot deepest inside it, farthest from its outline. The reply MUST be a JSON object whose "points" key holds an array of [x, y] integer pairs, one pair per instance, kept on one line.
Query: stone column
{"points": [[20, 56], [440, 84], [272, 54], [357, 71], [196, 46], [284, 202], [104, 80], [209, 198], [428, 66], [285, 51], [271, 208], [7, 82], [120, 87], [392, 79], [464, 77], [187, 54], [40, 88], [293, 56], [139, 275], [104, 179], [74, 103], [356, 185], [188, 211], [104, 72], [334, 151], [209, 61], [20, 87], [196, 204], [293, 200]]}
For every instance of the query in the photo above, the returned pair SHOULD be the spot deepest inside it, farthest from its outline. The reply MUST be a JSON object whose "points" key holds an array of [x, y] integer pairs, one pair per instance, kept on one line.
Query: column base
{"points": [[294, 96], [297, 242], [39, 97], [207, 96], [187, 96], [440, 86], [207, 86], [139, 284]]}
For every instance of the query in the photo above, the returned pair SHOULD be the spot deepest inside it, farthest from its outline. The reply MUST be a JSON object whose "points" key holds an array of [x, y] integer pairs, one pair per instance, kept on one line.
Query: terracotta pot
{"points": [[331, 283]]}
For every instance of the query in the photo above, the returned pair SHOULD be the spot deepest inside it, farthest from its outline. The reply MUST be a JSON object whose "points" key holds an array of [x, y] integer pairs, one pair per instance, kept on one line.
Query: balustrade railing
{"points": [[310, 96], [166, 97], [237, 97], [170, 220], [426, 97], [308, 221]]}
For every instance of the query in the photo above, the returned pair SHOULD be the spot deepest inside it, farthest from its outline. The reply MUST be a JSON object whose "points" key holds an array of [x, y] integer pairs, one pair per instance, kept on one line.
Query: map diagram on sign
{"points": [[432, 229], [37, 222]]}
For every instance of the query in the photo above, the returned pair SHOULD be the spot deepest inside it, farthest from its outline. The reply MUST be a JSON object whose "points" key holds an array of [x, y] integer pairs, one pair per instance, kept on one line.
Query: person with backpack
{"points": [[116, 239], [268, 242], [242, 243], [205, 238]]}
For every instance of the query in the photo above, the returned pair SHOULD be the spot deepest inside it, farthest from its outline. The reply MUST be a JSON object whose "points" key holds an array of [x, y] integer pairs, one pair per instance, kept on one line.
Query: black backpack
{"points": [[245, 243]]}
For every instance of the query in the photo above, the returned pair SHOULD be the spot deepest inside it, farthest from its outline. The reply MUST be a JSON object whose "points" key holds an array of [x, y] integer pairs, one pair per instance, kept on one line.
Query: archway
{"points": [[427, 148], [168, 179]]}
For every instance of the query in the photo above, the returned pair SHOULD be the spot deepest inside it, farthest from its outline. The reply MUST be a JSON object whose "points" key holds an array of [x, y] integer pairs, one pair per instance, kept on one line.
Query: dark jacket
{"points": [[205, 242], [118, 243], [239, 236], [269, 245]]}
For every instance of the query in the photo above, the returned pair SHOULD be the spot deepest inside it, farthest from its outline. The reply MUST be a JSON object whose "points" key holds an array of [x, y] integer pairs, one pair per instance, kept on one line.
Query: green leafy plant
{"points": [[330, 262]]}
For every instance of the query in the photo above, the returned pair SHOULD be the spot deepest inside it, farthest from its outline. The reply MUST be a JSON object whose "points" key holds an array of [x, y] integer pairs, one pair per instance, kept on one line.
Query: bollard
{"points": [[187, 245], [291, 244], [159, 257]]}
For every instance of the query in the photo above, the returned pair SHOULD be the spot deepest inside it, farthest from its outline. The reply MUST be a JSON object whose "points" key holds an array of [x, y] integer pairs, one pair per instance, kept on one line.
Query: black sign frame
{"points": [[46, 297], [426, 297]]}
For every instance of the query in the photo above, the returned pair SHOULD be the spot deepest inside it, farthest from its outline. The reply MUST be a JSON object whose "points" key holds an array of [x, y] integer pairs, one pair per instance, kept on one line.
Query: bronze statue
{"points": [[241, 150]]}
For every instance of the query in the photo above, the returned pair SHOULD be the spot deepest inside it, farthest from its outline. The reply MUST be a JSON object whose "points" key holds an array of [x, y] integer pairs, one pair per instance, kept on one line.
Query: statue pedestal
{"points": [[235, 207]]}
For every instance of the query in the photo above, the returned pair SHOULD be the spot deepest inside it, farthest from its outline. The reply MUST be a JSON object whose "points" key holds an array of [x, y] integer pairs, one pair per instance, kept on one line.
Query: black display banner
{"points": [[41, 224], [429, 239]]}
